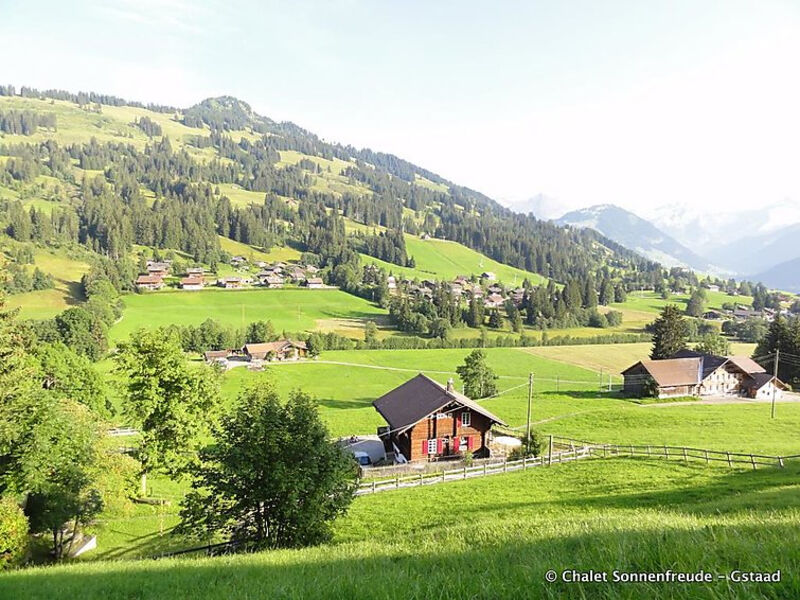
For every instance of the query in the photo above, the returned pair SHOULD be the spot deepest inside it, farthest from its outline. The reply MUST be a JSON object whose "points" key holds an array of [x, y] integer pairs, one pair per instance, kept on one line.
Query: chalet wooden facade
{"points": [[427, 421], [690, 373]]}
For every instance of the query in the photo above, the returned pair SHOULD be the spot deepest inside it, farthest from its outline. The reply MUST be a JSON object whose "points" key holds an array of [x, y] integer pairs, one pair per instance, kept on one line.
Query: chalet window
{"points": [[463, 444], [466, 418], [433, 446]]}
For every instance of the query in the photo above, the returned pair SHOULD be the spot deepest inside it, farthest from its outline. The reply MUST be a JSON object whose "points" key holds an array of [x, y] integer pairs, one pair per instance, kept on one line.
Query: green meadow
{"points": [[441, 259], [496, 537], [567, 401], [291, 310]]}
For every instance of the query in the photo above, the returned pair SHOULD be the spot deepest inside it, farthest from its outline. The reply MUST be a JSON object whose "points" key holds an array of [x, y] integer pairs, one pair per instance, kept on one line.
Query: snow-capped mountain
{"points": [[637, 234]]}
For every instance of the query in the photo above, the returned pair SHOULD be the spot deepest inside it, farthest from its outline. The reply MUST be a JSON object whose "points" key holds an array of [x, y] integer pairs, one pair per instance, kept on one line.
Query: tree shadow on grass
{"points": [[453, 564]]}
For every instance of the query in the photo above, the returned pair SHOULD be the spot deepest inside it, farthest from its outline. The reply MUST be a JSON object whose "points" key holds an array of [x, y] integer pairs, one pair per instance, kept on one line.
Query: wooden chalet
{"points": [[149, 282], [280, 350], [315, 283], [428, 420], [689, 373], [192, 283]]}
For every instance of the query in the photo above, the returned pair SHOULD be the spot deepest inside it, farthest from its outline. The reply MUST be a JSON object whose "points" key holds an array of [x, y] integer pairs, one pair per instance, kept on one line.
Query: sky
{"points": [[640, 104]]}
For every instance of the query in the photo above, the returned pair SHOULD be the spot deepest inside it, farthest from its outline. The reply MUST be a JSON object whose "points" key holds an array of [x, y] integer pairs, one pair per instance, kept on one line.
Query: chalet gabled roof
{"points": [[419, 397], [672, 372], [747, 364]]}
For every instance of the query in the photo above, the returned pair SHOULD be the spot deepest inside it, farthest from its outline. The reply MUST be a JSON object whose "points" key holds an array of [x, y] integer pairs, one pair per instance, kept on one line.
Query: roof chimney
{"points": [[450, 385]]}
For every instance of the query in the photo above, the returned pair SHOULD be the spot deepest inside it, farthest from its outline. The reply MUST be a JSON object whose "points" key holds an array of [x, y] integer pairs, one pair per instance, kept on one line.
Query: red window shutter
{"points": [[456, 445], [469, 442], [439, 445], [424, 447]]}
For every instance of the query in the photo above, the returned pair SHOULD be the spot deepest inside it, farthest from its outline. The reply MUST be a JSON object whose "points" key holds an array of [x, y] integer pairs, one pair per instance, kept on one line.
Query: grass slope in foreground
{"points": [[496, 537], [292, 310]]}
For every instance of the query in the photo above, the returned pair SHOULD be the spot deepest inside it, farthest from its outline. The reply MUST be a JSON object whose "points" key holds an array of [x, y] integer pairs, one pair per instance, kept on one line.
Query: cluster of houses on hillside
{"points": [[743, 313], [270, 275], [494, 295], [690, 373]]}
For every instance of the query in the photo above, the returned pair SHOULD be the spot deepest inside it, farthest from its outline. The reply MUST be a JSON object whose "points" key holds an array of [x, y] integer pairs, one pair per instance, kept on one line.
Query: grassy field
{"points": [[292, 310], [446, 260], [651, 302], [611, 358], [495, 538], [277, 253], [567, 400], [66, 272]]}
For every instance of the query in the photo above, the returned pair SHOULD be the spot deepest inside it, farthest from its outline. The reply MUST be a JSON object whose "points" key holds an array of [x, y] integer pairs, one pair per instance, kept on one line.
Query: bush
{"points": [[13, 534]]}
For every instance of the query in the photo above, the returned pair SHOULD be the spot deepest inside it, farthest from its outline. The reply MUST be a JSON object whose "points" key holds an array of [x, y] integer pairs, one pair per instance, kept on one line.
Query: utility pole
{"points": [[775, 387], [528, 428]]}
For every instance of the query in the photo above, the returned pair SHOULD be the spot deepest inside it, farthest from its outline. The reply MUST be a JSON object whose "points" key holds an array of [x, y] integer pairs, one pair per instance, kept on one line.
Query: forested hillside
{"points": [[103, 184]]}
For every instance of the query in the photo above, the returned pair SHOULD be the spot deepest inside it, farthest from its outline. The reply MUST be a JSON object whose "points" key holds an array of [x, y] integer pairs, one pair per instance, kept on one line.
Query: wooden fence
{"points": [[487, 468], [561, 450], [684, 453]]}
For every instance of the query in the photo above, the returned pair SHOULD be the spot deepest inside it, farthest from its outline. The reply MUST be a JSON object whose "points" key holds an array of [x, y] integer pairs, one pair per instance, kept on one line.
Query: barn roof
{"points": [[672, 372], [747, 364], [419, 397], [756, 381]]}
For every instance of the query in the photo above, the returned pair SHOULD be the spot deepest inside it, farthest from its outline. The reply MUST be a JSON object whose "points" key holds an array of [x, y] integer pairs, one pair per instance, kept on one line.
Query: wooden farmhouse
{"points": [[280, 350], [192, 283], [428, 421], [690, 373], [149, 282]]}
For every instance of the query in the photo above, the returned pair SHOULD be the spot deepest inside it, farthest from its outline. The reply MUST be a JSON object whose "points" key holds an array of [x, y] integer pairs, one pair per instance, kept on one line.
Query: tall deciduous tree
{"points": [[168, 400], [478, 378], [272, 478], [670, 333]]}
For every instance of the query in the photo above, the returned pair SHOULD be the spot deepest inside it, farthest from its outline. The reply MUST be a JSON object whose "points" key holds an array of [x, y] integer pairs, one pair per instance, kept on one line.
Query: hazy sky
{"points": [[638, 103]]}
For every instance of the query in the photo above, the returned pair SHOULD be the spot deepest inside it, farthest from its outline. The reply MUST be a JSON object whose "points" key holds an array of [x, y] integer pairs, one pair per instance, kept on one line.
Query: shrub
{"points": [[13, 534]]}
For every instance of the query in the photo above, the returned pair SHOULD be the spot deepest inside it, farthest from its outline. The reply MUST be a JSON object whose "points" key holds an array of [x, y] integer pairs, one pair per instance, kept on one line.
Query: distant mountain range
{"points": [[635, 233]]}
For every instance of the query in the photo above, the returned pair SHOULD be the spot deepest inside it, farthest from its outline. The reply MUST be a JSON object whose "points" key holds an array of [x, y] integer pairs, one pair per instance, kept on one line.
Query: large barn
{"points": [[690, 373], [428, 420]]}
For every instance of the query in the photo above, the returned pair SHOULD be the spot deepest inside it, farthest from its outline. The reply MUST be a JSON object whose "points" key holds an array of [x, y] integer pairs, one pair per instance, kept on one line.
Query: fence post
{"points": [[484, 468], [465, 471], [780, 461], [685, 458], [707, 457], [373, 486], [753, 460], [550, 453], [524, 464], [421, 479], [444, 477], [505, 464], [730, 463], [666, 452], [397, 481], [632, 450]]}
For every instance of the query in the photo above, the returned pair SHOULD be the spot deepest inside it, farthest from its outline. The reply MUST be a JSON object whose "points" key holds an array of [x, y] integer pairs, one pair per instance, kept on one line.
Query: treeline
{"points": [[80, 98], [25, 122]]}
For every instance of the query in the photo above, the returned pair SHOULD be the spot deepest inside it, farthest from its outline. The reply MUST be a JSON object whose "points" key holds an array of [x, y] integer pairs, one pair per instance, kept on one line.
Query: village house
{"points": [[391, 282], [690, 373], [197, 272], [149, 282], [192, 283], [273, 281], [427, 421], [216, 356], [238, 261], [488, 276], [494, 301], [157, 269], [280, 350], [314, 283], [230, 283]]}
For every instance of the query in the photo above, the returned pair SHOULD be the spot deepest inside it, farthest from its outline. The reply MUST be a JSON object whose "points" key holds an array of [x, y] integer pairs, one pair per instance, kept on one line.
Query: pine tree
{"points": [[670, 333]]}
